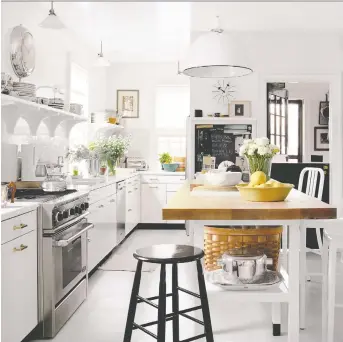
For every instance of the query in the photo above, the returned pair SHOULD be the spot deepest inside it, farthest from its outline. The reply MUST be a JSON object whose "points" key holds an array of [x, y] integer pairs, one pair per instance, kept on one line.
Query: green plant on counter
{"points": [[111, 149], [165, 158]]}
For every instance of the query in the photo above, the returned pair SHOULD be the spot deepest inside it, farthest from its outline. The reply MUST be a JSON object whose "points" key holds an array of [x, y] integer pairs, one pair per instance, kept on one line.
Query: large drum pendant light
{"points": [[212, 56]]}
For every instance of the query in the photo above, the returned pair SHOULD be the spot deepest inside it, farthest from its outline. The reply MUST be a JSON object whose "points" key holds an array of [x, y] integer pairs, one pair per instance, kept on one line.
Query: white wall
{"points": [[144, 77], [311, 94]]}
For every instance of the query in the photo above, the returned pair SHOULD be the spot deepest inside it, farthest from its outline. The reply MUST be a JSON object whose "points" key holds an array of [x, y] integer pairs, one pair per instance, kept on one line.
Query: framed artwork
{"points": [[128, 103], [323, 113], [240, 109], [321, 138]]}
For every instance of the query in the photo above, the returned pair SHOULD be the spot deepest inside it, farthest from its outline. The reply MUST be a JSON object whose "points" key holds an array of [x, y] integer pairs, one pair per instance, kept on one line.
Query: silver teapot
{"points": [[245, 267]]}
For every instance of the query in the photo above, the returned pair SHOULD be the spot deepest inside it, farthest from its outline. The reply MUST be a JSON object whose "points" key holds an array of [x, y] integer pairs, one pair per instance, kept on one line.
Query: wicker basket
{"points": [[241, 240]]}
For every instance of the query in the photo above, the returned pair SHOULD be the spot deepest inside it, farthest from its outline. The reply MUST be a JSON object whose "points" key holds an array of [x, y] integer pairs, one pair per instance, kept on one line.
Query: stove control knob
{"points": [[72, 211], [82, 206], [59, 216], [78, 210], [86, 205], [65, 214]]}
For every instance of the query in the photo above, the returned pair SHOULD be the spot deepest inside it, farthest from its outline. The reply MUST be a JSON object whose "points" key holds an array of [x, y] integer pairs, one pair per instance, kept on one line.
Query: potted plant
{"points": [[259, 153], [111, 149], [166, 162]]}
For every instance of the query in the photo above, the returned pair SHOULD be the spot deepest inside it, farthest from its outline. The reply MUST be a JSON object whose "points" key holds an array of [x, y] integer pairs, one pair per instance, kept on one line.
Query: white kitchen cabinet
{"points": [[133, 198], [19, 303], [153, 199], [103, 237]]}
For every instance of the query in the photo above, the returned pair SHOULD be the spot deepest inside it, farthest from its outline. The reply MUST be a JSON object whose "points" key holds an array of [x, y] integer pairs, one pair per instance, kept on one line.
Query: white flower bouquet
{"points": [[259, 153]]}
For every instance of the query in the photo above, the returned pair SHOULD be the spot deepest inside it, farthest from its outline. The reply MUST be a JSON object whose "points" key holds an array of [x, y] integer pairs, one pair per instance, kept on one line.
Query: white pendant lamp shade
{"points": [[215, 55], [101, 60], [52, 21]]}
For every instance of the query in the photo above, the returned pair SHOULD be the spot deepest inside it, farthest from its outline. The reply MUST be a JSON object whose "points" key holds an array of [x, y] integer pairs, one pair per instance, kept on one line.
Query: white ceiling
{"points": [[160, 31]]}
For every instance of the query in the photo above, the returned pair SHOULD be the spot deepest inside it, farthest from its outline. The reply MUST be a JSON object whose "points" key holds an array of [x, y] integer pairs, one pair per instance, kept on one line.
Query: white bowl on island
{"points": [[220, 178]]}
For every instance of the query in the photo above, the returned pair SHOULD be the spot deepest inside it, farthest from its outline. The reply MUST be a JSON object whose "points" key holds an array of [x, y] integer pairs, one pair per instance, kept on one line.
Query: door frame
{"points": [[335, 81]]}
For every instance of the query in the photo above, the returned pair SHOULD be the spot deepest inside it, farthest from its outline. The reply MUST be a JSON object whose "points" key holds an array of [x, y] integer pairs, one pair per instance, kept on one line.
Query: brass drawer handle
{"points": [[112, 200], [130, 210], [101, 206], [21, 248], [21, 226], [136, 188]]}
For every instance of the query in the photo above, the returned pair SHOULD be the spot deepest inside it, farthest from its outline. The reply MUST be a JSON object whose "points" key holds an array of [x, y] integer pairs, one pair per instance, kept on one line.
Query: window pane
{"points": [[283, 107], [278, 124], [271, 108], [272, 139], [283, 126], [175, 146], [277, 140], [283, 145], [172, 106], [293, 121], [272, 123]]}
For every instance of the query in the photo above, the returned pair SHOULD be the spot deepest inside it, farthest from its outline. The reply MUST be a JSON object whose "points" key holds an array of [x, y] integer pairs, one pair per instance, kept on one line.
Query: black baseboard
{"points": [[165, 226]]}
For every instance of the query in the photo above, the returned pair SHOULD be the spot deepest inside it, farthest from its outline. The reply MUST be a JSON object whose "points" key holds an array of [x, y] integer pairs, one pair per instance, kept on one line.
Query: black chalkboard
{"points": [[212, 140]]}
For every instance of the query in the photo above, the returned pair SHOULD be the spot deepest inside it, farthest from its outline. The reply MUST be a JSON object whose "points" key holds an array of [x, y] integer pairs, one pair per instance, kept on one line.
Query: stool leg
{"points": [[331, 290], [204, 303], [161, 326], [133, 303], [175, 299]]}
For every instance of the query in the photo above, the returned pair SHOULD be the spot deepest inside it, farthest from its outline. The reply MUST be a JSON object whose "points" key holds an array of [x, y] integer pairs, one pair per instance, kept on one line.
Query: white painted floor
{"points": [[102, 317]]}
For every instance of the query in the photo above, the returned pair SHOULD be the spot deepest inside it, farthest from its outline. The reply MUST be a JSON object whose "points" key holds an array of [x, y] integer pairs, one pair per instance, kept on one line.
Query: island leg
{"points": [[303, 276], [293, 284]]}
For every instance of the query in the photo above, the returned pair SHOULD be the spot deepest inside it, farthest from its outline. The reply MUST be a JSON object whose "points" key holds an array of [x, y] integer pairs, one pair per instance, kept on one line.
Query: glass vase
{"points": [[260, 163], [111, 167]]}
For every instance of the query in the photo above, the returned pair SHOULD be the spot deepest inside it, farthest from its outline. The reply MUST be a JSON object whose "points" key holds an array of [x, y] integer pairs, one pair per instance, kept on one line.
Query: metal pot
{"points": [[245, 267], [54, 184]]}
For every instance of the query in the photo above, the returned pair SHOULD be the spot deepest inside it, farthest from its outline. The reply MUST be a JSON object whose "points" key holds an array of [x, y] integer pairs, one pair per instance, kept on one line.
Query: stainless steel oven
{"points": [[70, 257]]}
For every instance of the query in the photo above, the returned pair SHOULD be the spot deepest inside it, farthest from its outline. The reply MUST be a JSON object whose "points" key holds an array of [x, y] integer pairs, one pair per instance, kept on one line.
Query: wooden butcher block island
{"points": [[226, 209], [185, 205]]}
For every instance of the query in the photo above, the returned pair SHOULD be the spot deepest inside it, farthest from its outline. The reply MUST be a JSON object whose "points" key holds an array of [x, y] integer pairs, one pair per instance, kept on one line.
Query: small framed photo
{"points": [[323, 113], [240, 109], [321, 138], [128, 103]]}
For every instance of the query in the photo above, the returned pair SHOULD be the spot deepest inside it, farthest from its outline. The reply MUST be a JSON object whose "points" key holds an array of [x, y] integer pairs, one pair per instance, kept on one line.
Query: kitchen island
{"points": [[201, 208]]}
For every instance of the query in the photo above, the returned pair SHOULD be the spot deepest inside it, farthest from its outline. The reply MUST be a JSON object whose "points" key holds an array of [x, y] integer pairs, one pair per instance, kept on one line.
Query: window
{"points": [[79, 94], [172, 107], [284, 118], [171, 111]]}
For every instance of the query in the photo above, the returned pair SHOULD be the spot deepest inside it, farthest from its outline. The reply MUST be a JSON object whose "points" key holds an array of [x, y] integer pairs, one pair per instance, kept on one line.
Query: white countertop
{"points": [[15, 209]]}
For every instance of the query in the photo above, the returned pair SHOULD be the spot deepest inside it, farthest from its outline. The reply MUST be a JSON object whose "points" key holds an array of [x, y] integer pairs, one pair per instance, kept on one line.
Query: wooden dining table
{"points": [[227, 208]]}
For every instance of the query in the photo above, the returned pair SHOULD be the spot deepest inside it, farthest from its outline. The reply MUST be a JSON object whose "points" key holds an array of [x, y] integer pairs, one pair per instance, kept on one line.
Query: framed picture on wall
{"points": [[324, 113], [240, 109], [321, 138], [128, 103]]}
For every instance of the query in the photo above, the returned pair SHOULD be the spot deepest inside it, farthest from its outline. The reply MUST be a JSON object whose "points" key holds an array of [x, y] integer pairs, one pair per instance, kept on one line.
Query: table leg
{"points": [[303, 277], [190, 232], [285, 247], [293, 312]]}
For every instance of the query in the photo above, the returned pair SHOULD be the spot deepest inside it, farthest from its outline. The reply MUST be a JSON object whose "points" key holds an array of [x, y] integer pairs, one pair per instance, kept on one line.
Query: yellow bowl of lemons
{"points": [[261, 190]]}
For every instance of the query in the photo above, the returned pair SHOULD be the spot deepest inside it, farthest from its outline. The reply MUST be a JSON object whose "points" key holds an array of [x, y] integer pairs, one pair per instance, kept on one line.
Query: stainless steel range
{"points": [[63, 279]]}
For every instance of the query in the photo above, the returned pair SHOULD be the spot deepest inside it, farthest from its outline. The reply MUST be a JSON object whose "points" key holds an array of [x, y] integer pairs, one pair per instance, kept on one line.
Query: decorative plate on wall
{"points": [[23, 54]]}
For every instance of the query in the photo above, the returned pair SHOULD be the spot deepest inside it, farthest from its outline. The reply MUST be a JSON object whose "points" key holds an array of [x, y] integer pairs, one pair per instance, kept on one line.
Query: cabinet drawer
{"points": [[103, 192], [19, 287], [17, 226], [162, 179]]}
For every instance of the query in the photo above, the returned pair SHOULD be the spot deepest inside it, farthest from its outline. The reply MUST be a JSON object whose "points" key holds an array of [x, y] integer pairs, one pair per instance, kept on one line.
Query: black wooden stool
{"points": [[169, 254]]}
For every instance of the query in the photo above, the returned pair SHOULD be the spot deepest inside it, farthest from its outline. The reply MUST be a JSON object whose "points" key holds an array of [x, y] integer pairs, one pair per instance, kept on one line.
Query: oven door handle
{"points": [[64, 243]]}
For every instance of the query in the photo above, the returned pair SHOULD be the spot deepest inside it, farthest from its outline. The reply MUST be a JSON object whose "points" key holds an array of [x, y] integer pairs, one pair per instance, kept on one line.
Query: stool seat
{"points": [[168, 254]]}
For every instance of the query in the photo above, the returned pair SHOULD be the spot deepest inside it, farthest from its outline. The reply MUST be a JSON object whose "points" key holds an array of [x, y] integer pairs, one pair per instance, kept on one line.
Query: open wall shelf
{"points": [[13, 108]]}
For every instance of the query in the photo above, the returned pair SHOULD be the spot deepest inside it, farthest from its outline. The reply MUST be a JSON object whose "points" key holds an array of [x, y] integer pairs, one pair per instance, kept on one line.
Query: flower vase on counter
{"points": [[111, 167], [259, 153]]}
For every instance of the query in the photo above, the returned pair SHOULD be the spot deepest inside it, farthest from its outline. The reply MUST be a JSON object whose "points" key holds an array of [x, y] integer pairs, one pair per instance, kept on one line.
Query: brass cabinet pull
{"points": [[130, 210], [112, 200], [101, 206], [153, 187], [130, 192], [21, 248], [21, 226], [136, 188]]}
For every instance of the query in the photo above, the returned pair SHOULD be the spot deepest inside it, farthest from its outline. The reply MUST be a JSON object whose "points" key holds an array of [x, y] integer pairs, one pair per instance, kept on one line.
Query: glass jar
{"points": [[260, 163]]}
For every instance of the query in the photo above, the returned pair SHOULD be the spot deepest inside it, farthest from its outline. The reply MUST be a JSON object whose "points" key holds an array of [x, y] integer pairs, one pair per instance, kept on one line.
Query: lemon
{"points": [[258, 178], [276, 184], [250, 185], [271, 181], [264, 185]]}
